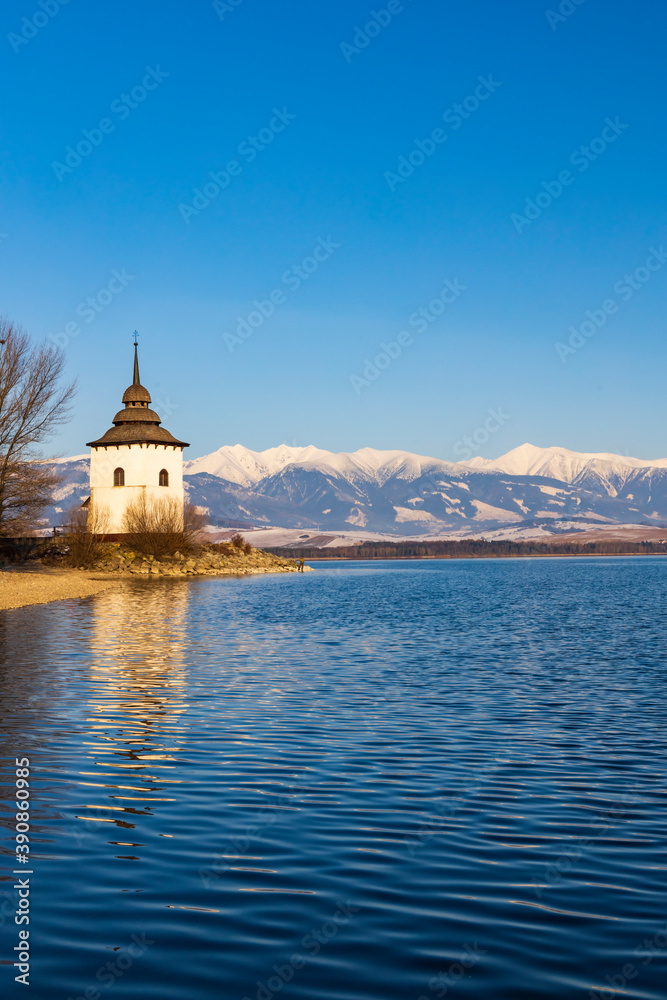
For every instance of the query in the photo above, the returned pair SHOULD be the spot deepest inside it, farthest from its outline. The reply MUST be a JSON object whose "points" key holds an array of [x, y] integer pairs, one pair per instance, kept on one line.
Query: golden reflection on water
{"points": [[138, 676]]}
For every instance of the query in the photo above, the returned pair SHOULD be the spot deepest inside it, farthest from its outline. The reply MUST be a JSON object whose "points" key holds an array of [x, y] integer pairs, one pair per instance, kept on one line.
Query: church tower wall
{"points": [[135, 457], [142, 465]]}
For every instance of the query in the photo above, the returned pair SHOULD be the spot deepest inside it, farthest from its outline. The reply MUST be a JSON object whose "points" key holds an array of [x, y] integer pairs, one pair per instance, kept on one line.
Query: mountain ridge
{"points": [[398, 493], [528, 459]]}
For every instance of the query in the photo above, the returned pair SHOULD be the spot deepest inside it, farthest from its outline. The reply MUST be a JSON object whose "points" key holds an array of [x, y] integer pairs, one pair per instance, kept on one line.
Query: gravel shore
{"points": [[19, 588]]}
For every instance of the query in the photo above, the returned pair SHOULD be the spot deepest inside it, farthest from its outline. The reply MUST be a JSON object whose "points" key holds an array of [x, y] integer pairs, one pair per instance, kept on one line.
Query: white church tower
{"points": [[135, 456]]}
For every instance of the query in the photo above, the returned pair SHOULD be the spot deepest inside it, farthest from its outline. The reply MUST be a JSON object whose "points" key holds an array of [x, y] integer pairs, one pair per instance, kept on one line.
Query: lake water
{"points": [[377, 781]]}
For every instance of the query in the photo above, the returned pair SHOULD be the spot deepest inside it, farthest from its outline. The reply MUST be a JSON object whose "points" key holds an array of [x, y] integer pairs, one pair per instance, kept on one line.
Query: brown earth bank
{"points": [[619, 533]]}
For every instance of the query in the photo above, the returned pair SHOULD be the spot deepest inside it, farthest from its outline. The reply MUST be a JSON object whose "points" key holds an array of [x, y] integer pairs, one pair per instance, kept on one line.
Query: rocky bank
{"points": [[208, 561]]}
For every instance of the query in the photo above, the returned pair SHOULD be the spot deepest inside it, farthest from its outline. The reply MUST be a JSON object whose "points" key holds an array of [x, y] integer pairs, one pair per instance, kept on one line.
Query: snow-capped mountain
{"points": [[239, 465], [398, 493], [641, 482], [559, 463]]}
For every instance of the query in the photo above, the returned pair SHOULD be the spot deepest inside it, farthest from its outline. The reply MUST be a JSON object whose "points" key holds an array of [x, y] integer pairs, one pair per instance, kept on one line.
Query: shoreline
{"points": [[21, 588], [523, 555], [27, 586]]}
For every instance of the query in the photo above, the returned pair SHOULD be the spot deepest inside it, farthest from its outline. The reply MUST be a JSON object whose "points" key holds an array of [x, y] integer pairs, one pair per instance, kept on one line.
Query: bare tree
{"points": [[161, 527], [33, 403]]}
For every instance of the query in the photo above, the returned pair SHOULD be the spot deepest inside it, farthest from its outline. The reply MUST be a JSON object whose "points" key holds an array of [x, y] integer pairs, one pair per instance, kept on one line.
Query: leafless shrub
{"points": [[162, 527], [239, 542], [85, 534], [194, 522]]}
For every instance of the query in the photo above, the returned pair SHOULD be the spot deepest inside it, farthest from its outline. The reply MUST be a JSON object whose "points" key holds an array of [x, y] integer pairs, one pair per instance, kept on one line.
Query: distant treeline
{"points": [[472, 549]]}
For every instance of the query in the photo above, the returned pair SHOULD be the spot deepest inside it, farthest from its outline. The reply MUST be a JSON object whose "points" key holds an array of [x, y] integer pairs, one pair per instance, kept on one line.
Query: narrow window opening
{"points": [[164, 477], [119, 477]]}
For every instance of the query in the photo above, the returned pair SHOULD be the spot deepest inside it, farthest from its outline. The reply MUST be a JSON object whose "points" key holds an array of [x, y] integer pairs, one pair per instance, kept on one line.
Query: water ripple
{"points": [[395, 781]]}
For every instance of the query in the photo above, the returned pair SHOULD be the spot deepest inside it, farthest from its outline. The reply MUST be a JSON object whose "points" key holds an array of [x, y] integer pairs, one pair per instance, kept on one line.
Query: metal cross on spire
{"points": [[136, 338]]}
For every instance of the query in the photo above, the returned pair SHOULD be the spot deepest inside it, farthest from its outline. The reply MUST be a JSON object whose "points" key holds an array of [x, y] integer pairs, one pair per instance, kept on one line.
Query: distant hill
{"points": [[474, 548]]}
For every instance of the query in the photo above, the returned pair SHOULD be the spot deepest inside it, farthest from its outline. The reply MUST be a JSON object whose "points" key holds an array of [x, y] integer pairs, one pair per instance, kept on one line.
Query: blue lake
{"points": [[377, 781]]}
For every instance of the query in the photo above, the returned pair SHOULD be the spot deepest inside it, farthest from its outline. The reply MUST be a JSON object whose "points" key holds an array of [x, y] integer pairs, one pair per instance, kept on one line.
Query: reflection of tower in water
{"points": [[138, 681]]}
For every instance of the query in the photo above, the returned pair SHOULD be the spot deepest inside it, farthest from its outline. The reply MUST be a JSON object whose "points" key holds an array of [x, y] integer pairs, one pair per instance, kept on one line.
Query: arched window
{"points": [[164, 477], [119, 477]]}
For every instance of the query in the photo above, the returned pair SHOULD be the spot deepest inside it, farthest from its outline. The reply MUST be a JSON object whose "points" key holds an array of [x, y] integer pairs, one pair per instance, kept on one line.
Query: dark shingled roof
{"points": [[136, 394], [133, 414], [136, 434], [136, 424]]}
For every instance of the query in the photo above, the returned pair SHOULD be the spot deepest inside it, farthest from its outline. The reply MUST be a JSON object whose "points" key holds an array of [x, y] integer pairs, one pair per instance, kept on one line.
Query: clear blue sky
{"points": [[324, 177]]}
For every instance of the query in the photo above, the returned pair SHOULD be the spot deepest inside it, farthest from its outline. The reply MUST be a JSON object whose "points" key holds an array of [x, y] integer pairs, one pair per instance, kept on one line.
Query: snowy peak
{"points": [[244, 467], [240, 465], [561, 463], [247, 468]]}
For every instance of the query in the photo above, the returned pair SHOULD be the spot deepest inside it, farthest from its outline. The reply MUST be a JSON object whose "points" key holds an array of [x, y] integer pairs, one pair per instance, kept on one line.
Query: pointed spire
{"points": [[136, 380], [136, 393]]}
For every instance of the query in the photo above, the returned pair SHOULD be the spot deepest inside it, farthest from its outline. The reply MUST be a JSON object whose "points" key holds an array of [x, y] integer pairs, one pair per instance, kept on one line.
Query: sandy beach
{"points": [[19, 588]]}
